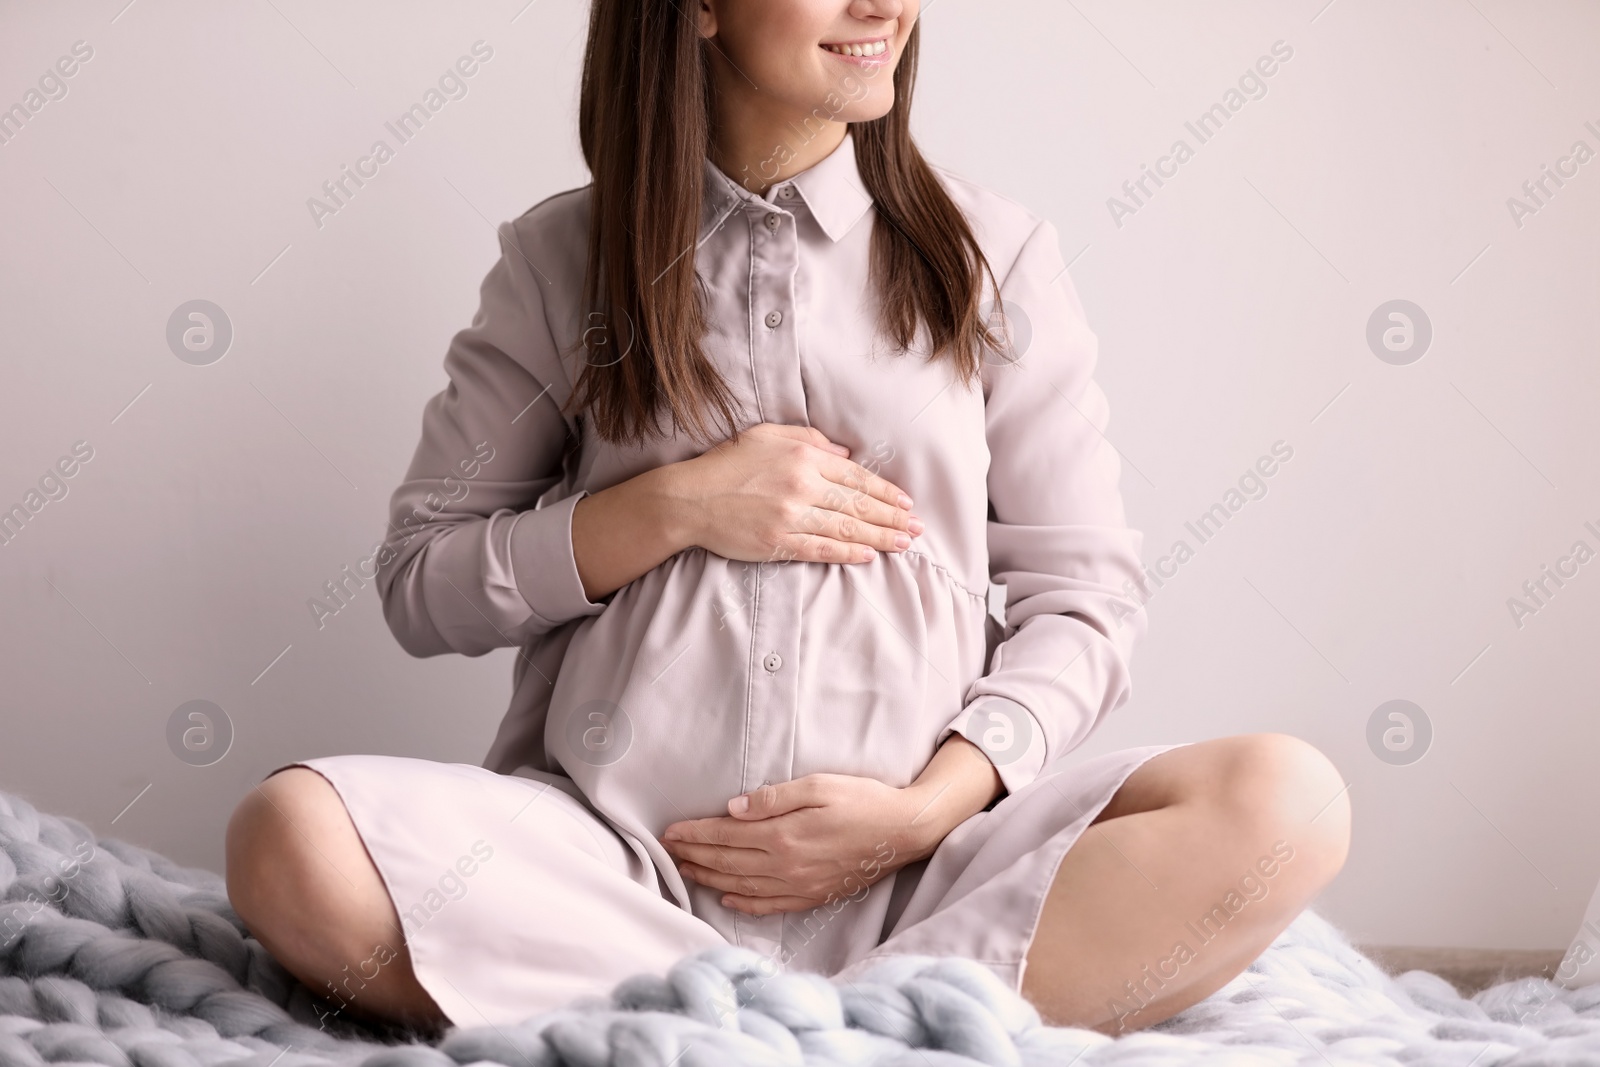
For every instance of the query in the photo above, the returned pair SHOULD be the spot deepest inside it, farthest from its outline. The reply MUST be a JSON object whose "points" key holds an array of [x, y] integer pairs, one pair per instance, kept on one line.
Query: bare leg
{"points": [[302, 881], [1201, 859]]}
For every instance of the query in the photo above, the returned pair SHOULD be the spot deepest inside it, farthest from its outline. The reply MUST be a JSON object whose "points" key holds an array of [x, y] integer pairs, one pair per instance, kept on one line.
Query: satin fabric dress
{"points": [[538, 877]]}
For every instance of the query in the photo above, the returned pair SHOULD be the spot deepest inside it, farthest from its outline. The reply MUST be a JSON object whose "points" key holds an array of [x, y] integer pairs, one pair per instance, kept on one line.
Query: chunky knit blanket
{"points": [[112, 954]]}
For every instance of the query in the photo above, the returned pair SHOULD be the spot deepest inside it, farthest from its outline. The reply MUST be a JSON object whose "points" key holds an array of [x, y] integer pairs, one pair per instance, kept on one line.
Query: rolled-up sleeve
{"points": [[1057, 534], [478, 552]]}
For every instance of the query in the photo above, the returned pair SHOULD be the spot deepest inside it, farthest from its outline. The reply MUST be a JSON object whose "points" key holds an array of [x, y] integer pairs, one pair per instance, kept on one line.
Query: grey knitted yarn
{"points": [[112, 954]]}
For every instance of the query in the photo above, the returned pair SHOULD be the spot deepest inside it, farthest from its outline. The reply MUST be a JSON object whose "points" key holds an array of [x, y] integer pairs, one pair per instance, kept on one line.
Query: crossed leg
{"points": [[302, 881], [1204, 854], [1199, 861]]}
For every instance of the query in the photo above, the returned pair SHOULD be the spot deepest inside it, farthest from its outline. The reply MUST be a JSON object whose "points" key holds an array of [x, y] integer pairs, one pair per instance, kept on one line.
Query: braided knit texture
{"points": [[112, 954]]}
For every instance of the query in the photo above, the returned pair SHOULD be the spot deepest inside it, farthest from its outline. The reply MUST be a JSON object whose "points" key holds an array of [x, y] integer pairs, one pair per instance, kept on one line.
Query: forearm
{"points": [[627, 530], [957, 783]]}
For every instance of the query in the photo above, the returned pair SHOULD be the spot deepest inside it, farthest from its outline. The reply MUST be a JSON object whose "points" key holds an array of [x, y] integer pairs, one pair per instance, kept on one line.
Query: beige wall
{"points": [[1232, 304]]}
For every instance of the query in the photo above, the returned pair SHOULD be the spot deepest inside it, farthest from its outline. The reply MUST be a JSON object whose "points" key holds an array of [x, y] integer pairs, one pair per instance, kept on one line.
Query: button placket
{"points": [[773, 221], [774, 676]]}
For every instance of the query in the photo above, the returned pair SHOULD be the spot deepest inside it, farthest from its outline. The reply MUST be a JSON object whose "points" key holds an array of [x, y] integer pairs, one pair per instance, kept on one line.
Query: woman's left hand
{"points": [[801, 844]]}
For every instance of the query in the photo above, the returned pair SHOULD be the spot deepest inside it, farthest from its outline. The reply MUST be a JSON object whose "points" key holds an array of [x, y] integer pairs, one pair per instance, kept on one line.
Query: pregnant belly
{"points": [[707, 677]]}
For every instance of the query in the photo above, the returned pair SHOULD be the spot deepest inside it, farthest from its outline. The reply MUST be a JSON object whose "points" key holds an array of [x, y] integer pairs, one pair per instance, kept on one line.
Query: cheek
{"points": [[870, 97], [770, 36]]}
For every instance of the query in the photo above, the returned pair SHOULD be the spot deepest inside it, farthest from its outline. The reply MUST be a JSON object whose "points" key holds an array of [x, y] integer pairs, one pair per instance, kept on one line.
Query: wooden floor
{"points": [[1468, 969]]}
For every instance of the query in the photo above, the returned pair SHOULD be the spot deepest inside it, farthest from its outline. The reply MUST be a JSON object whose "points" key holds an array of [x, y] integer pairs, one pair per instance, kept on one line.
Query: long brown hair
{"points": [[644, 122]]}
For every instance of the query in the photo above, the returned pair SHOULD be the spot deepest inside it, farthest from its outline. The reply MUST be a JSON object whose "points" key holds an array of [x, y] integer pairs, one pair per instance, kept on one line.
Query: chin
{"points": [[868, 110]]}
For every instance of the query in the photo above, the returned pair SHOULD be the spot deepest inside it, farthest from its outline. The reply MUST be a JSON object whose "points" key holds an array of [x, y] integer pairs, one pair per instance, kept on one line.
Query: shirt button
{"points": [[774, 220], [773, 661], [774, 319], [787, 192]]}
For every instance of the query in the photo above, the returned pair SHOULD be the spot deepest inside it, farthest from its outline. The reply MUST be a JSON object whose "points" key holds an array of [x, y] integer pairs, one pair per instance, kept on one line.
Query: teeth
{"points": [[877, 48]]}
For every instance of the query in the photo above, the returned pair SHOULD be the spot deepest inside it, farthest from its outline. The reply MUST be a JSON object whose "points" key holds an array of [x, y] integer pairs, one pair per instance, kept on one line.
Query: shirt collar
{"points": [[831, 188]]}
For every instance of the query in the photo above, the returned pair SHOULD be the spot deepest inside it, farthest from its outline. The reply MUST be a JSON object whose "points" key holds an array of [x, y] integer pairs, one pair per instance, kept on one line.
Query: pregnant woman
{"points": [[731, 452]]}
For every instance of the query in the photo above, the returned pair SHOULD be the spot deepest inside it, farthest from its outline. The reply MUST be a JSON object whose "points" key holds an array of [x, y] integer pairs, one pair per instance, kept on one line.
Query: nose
{"points": [[881, 9]]}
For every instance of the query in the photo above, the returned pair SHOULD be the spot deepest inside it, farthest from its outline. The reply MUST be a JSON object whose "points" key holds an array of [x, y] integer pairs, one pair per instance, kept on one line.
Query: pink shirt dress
{"points": [[707, 677]]}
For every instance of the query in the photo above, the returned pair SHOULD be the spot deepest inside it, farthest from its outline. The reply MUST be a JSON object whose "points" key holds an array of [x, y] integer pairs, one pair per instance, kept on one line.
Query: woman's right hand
{"points": [[778, 492]]}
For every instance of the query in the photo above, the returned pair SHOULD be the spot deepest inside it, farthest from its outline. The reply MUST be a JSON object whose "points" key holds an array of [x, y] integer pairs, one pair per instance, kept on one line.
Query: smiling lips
{"points": [[862, 50]]}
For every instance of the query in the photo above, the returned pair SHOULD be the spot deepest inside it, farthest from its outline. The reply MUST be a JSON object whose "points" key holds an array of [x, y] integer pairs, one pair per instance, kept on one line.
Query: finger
{"points": [[742, 885], [747, 862], [780, 798], [839, 526], [814, 548], [857, 478], [721, 831], [820, 439], [768, 905], [810, 435], [853, 503]]}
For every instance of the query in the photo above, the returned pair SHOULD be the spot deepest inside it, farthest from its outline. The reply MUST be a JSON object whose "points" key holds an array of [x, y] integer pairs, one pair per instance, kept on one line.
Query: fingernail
{"points": [[915, 526], [905, 501], [671, 835], [868, 555], [902, 541], [739, 805]]}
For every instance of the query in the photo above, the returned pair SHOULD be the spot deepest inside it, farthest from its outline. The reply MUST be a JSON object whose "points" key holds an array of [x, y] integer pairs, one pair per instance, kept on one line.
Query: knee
{"points": [[267, 850], [1281, 788], [300, 878]]}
